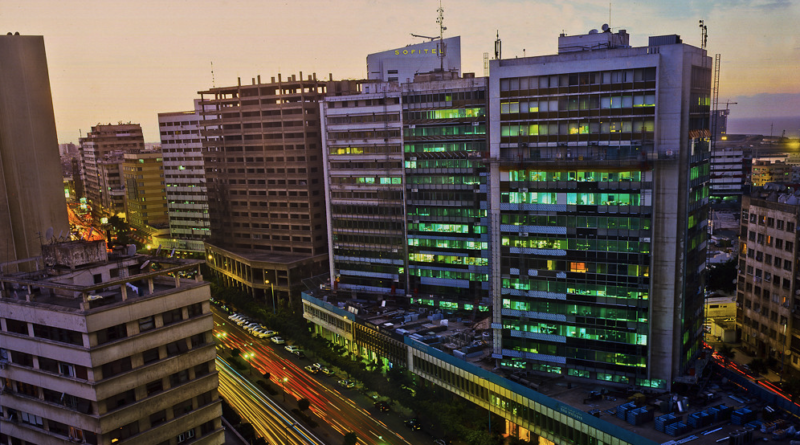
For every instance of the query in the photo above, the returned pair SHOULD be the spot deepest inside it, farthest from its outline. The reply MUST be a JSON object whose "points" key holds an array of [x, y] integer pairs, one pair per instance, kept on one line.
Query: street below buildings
{"points": [[337, 410]]}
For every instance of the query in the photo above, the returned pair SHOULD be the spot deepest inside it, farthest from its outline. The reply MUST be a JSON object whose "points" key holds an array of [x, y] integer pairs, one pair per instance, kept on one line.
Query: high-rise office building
{"points": [[598, 204], [145, 189], [767, 281], [31, 187], [101, 349], [407, 185], [185, 177], [263, 159], [95, 148]]}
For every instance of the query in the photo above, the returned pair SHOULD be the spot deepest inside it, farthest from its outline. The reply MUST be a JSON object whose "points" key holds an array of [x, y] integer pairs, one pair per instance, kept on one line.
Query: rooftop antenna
{"points": [[703, 35], [498, 47], [485, 64], [213, 84], [442, 28]]}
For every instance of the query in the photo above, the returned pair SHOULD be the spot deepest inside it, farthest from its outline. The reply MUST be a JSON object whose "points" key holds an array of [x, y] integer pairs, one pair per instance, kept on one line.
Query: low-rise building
{"points": [[104, 348]]}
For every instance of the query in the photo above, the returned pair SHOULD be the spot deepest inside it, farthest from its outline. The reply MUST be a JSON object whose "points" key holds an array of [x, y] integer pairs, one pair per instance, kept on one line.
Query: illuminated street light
{"points": [[283, 386], [273, 295]]}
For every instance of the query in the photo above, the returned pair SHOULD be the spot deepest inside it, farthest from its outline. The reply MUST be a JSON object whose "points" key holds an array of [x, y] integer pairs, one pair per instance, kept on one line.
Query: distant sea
{"points": [[761, 126]]}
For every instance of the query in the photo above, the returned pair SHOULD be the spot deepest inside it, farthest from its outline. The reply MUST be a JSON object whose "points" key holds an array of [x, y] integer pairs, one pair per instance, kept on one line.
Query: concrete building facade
{"points": [[767, 280], [598, 202], [98, 144], [31, 188], [263, 162], [103, 349], [185, 177], [727, 172]]}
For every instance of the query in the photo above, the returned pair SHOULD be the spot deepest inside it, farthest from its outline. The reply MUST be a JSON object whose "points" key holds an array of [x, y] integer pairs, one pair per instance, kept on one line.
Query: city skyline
{"points": [[160, 55]]}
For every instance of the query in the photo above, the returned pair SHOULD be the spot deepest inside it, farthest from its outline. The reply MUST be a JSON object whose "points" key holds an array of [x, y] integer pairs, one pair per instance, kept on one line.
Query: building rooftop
{"points": [[470, 340], [80, 276]]}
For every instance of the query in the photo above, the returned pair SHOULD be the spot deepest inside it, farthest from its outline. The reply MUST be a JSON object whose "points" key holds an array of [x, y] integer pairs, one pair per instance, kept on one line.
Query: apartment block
{"points": [[262, 155], [185, 177], [31, 188], [95, 149], [145, 190], [598, 205], [103, 348], [767, 281]]}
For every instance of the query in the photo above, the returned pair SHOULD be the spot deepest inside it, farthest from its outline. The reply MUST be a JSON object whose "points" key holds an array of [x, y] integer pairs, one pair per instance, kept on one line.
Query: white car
{"points": [[250, 326], [291, 348], [278, 340]]}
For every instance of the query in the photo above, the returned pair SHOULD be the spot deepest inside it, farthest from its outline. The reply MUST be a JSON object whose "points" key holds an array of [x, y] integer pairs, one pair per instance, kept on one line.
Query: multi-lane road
{"points": [[331, 403]]}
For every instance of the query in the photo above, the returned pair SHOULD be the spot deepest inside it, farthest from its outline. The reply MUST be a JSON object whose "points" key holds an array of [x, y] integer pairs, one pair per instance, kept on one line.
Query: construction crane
{"points": [[729, 103]]}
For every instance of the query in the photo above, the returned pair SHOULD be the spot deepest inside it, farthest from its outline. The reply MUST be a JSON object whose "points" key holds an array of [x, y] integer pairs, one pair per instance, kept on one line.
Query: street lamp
{"points": [[283, 386], [272, 287]]}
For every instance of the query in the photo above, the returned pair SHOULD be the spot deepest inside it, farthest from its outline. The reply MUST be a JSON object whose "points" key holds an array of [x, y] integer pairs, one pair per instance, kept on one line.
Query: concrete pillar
{"points": [[123, 290], [150, 285]]}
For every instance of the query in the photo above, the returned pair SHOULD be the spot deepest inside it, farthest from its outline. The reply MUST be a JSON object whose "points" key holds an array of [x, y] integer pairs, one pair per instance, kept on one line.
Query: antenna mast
{"points": [[213, 84], [498, 46], [703, 35], [442, 28], [485, 64]]}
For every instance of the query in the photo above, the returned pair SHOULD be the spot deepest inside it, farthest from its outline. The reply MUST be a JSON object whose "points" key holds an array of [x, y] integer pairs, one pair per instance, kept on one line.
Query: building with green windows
{"points": [[598, 206], [406, 179]]}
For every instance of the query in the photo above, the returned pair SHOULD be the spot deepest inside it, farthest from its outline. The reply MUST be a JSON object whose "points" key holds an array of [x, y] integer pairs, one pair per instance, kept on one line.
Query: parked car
{"points": [[268, 332], [260, 333], [347, 384], [312, 369], [292, 348], [382, 406], [277, 340], [322, 369], [300, 354]]}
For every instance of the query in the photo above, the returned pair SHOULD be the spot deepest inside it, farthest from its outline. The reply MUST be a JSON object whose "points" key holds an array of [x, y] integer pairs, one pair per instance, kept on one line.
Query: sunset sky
{"points": [[126, 61]]}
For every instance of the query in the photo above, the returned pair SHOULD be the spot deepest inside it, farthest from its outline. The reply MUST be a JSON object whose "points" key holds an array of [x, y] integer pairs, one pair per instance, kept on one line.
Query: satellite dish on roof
{"points": [[89, 236], [48, 234], [131, 249], [145, 264], [158, 251], [172, 254], [60, 233], [605, 28]]}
